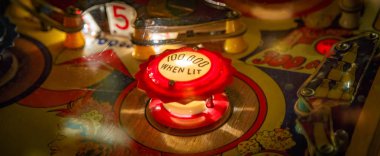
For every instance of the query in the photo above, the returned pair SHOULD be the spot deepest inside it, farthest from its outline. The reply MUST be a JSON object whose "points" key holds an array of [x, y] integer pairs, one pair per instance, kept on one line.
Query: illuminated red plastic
{"points": [[157, 86], [324, 46], [205, 118]]}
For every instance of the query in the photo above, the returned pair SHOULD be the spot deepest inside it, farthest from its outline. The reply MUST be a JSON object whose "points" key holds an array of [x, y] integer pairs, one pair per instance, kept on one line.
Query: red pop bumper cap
{"points": [[184, 75]]}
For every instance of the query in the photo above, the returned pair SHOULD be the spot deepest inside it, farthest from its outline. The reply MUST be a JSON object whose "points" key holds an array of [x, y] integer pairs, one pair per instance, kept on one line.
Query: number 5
{"points": [[117, 15]]}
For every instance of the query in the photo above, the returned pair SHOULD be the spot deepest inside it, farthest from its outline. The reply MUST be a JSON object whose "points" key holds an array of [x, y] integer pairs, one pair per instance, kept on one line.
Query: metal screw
{"points": [[342, 47], [373, 36], [139, 22], [232, 14], [171, 83], [341, 138], [307, 92]]}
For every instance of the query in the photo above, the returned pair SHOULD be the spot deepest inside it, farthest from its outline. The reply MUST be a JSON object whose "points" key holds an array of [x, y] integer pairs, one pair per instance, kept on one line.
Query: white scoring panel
{"points": [[90, 26], [120, 18]]}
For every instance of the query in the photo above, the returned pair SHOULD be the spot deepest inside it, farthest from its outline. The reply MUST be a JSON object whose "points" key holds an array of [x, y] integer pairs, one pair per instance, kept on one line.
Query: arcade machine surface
{"points": [[189, 77]]}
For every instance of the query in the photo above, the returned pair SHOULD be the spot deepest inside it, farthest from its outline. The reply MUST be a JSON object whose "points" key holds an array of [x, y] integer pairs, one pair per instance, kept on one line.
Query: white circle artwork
{"points": [[184, 66]]}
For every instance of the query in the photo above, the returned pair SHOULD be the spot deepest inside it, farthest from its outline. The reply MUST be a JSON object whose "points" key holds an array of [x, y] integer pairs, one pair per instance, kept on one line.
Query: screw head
{"points": [[232, 14], [342, 47], [307, 92], [373, 36], [139, 22], [171, 83]]}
